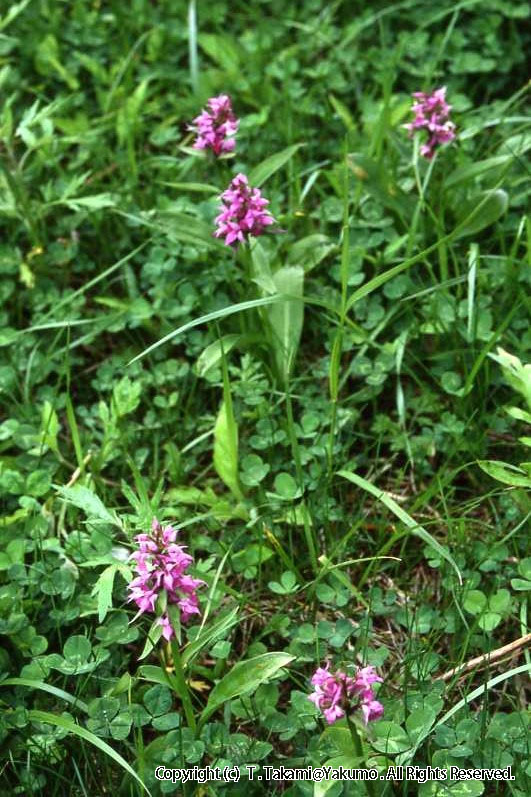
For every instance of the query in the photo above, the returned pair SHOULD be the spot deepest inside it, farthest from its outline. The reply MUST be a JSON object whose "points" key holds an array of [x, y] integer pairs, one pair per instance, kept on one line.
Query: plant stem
{"points": [[310, 541], [337, 347], [358, 747], [182, 687]]}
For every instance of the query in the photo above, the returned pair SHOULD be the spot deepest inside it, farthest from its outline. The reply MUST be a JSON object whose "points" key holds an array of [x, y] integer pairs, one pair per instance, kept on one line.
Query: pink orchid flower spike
{"points": [[335, 693], [161, 565], [244, 212], [432, 114], [216, 126]]}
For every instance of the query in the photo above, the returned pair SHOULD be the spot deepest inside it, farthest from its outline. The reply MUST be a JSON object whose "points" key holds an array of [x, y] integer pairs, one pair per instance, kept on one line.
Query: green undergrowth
{"points": [[335, 416]]}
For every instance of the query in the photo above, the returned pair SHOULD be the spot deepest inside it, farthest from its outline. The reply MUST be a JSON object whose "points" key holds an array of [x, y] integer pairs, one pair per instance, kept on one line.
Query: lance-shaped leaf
{"points": [[244, 678], [226, 449], [271, 165], [286, 317]]}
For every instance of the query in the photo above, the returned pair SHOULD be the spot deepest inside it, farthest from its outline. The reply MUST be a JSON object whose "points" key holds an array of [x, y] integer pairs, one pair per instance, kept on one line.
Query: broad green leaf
{"points": [[77, 649], [420, 721], [15, 550], [261, 269], [320, 788], [489, 621], [191, 229], [221, 49], [390, 737], [309, 251], [226, 450], [505, 473], [153, 636], [339, 735], [500, 601], [68, 724], [103, 589], [253, 470], [402, 515], [270, 165], [94, 202], [524, 568], [126, 396], [288, 584], [286, 317], [78, 656], [167, 721], [451, 382], [102, 710], [516, 145], [209, 635], [520, 584], [286, 486], [89, 502], [192, 496], [117, 630], [472, 788], [201, 188], [154, 674], [253, 554], [437, 788], [343, 112], [517, 374], [475, 601], [210, 357], [465, 173], [347, 761], [244, 678], [158, 700], [493, 205]]}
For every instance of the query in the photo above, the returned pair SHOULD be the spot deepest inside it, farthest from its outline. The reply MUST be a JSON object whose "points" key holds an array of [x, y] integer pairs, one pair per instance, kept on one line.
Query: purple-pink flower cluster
{"points": [[335, 693], [244, 212], [431, 114], [161, 565], [215, 127]]}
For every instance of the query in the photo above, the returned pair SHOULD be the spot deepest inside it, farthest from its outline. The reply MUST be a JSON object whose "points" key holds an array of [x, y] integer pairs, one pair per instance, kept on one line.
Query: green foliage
{"points": [[326, 414]]}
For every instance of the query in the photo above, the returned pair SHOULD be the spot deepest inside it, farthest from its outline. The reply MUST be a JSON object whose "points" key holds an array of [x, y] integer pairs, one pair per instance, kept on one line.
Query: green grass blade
{"points": [[204, 319], [44, 687], [72, 727], [74, 431], [402, 515], [192, 46], [270, 165]]}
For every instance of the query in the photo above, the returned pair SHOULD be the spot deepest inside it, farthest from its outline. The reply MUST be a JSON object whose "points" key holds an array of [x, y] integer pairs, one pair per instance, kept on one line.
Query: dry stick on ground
{"points": [[486, 658]]}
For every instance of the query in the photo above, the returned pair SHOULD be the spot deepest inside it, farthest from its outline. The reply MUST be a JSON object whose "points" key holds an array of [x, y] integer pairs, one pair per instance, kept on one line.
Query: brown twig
{"points": [[486, 658]]}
